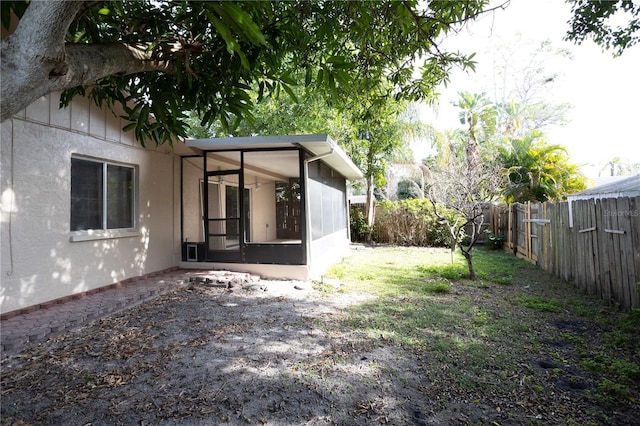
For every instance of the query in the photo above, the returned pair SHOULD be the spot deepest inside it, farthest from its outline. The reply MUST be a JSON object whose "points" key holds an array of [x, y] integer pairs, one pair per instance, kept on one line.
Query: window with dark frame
{"points": [[101, 195]]}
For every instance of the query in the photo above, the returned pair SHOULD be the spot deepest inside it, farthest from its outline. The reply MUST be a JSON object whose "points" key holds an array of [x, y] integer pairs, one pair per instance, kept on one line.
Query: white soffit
{"points": [[317, 145]]}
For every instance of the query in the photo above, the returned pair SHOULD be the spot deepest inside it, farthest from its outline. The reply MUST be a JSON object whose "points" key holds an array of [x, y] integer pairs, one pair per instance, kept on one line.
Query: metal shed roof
{"points": [[317, 145], [629, 187]]}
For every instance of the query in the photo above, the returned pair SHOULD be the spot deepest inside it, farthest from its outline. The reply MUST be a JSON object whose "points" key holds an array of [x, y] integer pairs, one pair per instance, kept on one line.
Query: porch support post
{"points": [[242, 208], [205, 205], [304, 205]]}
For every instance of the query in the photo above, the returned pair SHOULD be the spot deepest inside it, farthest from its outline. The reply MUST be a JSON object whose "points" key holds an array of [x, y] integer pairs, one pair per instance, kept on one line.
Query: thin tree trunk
{"points": [[370, 208], [469, 257]]}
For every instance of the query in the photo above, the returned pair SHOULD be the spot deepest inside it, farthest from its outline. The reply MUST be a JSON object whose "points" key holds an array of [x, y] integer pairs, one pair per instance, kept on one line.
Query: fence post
{"points": [[527, 229], [545, 238], [514, 229]]}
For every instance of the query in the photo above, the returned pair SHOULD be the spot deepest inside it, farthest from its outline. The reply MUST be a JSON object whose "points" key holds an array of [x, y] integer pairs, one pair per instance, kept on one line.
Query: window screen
{"points": [[327, 202], [119, 197], [101, 195]]}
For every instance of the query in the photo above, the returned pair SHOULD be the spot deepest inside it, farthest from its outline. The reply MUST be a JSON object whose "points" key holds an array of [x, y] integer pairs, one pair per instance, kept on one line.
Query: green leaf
{"points": [[290, 92], [243, 22], [129, 127], [308, 76], [320, 78], [288, 79], [104, 11], [232, 43]]}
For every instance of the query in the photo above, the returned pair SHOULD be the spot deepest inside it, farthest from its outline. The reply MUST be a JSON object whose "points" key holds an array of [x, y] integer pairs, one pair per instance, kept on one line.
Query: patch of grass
{"points": [[572, 338], [323, 287], [620, 369], [623, 333], [614, 389], [376, 269], [439, 286], [497, 266], [406, 281], [584, 308], [381, 271], [540, 303], [453, 271], [480, 340], [494, 266]]}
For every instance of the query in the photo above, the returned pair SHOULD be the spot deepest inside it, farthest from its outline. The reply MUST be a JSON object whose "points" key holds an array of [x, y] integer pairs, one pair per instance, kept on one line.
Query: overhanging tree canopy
{"points": [[612, 24], [160, 59]]}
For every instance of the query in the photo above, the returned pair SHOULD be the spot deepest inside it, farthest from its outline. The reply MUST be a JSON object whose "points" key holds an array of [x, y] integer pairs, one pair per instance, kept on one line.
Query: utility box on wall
{"points": [[193, 252]]}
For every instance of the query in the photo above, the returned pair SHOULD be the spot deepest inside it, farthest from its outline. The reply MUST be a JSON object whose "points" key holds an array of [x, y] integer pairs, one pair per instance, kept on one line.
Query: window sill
{"points": [[102, 234]]}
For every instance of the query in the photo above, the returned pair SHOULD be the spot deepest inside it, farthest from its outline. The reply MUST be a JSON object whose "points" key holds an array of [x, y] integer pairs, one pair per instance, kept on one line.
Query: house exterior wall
{"points": [[39, 262], [192, 210], [327, 251]]}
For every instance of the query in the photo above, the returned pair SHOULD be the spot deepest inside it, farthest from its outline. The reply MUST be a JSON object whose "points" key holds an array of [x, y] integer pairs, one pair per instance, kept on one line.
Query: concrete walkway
{"points": [[50, 319]]}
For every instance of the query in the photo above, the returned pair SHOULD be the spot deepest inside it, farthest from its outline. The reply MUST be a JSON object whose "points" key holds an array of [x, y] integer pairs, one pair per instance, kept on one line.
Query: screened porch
{"points": [[262, 200]]}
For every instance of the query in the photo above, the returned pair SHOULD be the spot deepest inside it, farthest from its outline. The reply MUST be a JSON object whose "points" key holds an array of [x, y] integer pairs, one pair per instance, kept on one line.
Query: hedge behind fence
{"points": [[408, 222]]}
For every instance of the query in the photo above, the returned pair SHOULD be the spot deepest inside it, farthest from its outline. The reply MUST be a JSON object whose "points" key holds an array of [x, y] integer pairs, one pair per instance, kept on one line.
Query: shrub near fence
{"points": [[409, 223], [600, 253]]}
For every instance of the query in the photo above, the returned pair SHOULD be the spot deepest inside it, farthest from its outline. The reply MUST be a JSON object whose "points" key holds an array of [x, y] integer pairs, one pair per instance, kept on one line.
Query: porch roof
{"points": [[318, 145]]}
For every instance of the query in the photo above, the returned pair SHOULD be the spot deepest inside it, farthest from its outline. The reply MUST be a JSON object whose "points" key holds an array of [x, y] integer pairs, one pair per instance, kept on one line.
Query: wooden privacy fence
{"points": [[600, 252]]}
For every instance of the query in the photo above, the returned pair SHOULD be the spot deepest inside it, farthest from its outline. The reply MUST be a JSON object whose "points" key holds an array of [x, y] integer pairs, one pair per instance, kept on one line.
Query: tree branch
{"points": [[39, 62]]}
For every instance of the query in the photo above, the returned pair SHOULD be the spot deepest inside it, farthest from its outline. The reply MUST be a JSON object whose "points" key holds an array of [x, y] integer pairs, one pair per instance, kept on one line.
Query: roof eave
{"points": [[315, 144]]}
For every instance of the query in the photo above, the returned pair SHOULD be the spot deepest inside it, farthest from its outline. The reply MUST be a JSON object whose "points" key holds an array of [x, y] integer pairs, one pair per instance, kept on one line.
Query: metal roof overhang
{"points": [[318, 145], [628, 187]]}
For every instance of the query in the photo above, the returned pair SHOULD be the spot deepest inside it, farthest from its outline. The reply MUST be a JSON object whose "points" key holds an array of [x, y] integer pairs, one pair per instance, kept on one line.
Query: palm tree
{"points": [[619, 167], [538, 171], [479, 114]]}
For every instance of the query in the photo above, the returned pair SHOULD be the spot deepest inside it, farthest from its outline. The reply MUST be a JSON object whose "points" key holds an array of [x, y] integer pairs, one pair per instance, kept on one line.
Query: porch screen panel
{"points": [[273, 209], [315, 208], [334, 187], [327, 200], [315, 199]]}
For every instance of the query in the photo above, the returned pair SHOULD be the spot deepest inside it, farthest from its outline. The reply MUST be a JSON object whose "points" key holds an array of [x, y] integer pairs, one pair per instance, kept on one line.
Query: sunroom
{"points": [[271, 205]]}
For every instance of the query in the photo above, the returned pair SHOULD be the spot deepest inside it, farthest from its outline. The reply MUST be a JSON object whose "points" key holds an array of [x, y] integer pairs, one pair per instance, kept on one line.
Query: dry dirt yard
{"points": [[278, 353]]}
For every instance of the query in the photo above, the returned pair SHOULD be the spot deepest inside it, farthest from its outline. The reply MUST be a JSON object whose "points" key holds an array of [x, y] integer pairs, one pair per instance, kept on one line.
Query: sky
{"points": [[604, 91]]}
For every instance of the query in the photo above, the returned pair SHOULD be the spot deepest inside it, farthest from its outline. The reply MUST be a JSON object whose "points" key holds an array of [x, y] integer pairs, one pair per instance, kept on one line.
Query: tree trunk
{"points": [[36, 61], [469, 257], [370, 208]]}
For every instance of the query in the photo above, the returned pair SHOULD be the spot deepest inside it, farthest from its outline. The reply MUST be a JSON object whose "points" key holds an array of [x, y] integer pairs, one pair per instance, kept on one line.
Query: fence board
{"points": [[554, 238], [579, 223], [545, 240], [615, 261], [605, 252], [634, 223], [595, 253], [535, 232], [568, 244], [585, 228], [510, 244], [600, 254], [557, 239], [626, 250], [521, 226]]}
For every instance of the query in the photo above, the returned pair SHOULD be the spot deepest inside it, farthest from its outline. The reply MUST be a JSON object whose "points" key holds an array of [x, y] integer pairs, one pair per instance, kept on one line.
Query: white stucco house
{"points": [[84, 206]]}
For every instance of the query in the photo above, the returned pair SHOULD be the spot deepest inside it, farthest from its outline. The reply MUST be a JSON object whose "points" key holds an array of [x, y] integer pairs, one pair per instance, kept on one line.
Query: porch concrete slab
{"points": [[35, 326]]}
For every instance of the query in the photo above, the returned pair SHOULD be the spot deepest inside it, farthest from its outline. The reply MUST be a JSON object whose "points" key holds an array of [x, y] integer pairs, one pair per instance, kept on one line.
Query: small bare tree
{"points": [[459, 194]]}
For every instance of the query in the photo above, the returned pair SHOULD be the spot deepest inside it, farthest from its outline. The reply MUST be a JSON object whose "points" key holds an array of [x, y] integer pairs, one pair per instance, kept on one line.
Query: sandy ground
{"points": [[267, 353]]}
